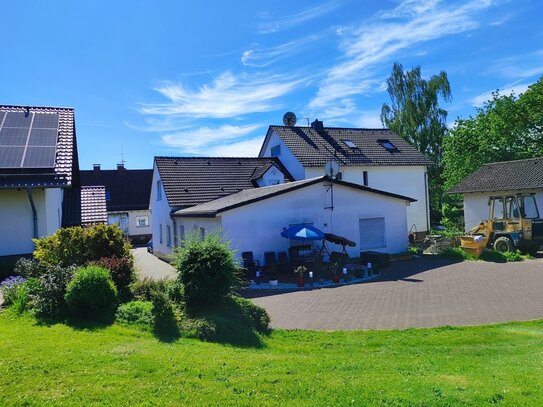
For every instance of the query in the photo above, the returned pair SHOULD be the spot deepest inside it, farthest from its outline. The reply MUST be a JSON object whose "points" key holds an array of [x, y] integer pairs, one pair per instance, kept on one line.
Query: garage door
{"points": [[372, 233]]}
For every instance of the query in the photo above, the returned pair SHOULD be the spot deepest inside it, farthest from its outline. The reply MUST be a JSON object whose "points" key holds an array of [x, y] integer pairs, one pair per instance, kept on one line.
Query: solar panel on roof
{"points": [[39, 157], [45, 121], [10, 157], [43, 137], [2, 114], [18, 119], [10, 136]]}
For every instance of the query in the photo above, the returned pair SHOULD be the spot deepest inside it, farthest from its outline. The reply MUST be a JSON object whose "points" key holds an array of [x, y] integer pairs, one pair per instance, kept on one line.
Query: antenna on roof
{"points": [[122, 155]]}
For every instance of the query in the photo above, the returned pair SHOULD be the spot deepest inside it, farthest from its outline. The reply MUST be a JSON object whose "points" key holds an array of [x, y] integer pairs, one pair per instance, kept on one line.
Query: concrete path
{"points": [[419, 293], [148, 265]]}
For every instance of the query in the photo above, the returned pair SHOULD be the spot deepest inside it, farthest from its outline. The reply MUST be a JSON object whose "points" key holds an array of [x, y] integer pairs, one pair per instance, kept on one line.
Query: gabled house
{"points": [[500, 178], [127, 195], [38, 169], [376, 158], [93, 205], [183, 182]]}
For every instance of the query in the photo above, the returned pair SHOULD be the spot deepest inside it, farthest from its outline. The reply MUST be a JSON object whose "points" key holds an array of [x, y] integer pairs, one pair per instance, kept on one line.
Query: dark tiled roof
{"points": [[66, 161], [245, 197], [503, 176], [93, 205], [190, 181], [129, 190], [314, 148]]}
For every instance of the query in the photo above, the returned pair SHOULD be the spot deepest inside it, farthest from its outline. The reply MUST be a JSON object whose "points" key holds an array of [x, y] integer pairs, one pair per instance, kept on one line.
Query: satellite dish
{"points": [[289, 119], [331, 168]]}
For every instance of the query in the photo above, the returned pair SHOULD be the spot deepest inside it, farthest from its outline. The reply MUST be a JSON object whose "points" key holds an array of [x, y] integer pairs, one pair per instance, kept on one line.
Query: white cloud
{"points": [[244, 148], [205, 140], [263, 57], [374, 41], [480, 100], [228, 96], [521, 66], [281, 23]]}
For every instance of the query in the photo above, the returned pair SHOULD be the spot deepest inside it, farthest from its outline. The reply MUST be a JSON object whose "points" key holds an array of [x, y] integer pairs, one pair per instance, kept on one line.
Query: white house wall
{"points": [[404, 180], [256, 227], [16, 219], [160, 215], [476, 207], [287, 158]]}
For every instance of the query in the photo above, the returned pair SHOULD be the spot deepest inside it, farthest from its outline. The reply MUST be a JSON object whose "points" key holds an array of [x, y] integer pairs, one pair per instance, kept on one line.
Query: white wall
{"points": [[404, 180], [476, 207], [271, 177], [256, 227], [133, 228], [160, 215], [53, 211], [287, 158]]}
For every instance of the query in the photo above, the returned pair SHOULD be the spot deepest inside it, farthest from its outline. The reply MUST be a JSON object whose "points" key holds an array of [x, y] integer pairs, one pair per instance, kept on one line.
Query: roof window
{"points": [[387, 145], [349, 143]]}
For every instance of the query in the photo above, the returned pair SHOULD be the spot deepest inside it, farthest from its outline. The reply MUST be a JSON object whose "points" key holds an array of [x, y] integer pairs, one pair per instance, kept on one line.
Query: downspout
{"points": [[34, 212], [426, 201]]}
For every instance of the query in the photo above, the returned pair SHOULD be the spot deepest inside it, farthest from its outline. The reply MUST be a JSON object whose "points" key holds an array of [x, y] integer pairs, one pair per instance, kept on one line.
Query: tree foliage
{"points": [[416, 116], [506, 128]]}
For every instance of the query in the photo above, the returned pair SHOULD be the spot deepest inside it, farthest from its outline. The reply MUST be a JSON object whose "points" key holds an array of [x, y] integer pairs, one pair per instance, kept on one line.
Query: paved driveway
{"points": [[419, 293], [150, 266]]}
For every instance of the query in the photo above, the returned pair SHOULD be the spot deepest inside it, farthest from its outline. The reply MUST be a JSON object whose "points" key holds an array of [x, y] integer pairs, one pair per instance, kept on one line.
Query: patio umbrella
{"points": [[301, 232]]}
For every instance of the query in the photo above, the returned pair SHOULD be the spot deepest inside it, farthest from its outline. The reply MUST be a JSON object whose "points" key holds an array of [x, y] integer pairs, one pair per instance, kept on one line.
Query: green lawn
{"points": [[122, 366]]}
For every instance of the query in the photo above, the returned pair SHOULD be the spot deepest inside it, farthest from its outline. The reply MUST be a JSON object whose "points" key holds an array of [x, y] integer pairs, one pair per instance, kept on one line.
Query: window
{"points": [[108, 196], [511, 208], [159, 190], [528, 207], [276, 151], [387, 145], [497, 208], [160, 233], [181, 234], [142, 221], [169, 235], [372, 233], [349, 143], [365, 175]]}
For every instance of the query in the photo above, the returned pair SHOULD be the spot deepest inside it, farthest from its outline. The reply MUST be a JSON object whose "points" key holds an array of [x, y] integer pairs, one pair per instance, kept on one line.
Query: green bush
{"points": [[207, 270], [136, 313], [456, 253], [48, 297], [29, 268], [15, 290], [165, 321], [199, 328], [515, 256], [493, 256], [79, 246], [256, 315], [144, 289], [91, 294]]}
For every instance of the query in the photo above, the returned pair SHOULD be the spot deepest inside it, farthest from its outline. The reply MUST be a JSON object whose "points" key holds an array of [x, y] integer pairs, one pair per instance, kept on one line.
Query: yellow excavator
{"points": [[514, 223]]}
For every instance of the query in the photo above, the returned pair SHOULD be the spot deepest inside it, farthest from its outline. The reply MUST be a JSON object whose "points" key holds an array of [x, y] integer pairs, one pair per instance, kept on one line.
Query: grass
{"points": [[118, 365]]}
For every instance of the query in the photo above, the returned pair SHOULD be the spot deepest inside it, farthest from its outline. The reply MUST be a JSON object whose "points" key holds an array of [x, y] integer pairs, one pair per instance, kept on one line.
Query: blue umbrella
{"points": [[301, 232]]}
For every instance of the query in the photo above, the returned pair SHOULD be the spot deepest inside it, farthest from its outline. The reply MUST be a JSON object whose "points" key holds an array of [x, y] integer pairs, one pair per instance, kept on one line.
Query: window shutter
{"points": [[372, 233]]}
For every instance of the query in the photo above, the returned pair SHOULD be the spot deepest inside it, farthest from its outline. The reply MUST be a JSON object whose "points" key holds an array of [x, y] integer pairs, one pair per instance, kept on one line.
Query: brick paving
{"points": [[425, 292]]}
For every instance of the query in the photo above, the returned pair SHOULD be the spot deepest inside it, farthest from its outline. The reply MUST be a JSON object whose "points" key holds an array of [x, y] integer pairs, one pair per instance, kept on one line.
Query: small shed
{"points": [[500, 178]]}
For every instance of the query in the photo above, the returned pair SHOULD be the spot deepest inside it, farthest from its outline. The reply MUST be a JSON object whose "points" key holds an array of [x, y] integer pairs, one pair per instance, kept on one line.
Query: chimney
{"points": [[96, 169], [120, 167], [317, 125]]}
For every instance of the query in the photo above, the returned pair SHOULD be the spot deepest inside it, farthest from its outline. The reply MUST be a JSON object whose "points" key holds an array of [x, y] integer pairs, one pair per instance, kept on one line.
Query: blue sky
{"points": [[207, 78]]}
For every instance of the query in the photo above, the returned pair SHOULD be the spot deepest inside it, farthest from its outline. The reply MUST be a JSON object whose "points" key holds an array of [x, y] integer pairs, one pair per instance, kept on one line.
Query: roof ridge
{"points": [[213, 158], [336, 128], [37, 107], [513, 161]]}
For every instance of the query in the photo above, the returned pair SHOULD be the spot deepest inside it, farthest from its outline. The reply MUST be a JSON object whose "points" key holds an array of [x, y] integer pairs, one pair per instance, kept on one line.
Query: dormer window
{"points": [[387, 145], [349, 143]]}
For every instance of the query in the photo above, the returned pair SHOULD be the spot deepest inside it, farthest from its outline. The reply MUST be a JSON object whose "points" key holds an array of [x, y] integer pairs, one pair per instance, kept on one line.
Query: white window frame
{"points": [[146, 218], [159, 190], [275, 151]]}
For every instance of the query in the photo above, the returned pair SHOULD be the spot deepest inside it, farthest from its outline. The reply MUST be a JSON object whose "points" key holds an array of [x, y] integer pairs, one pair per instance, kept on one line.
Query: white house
{"points": [[253, 219], [500, 178], [183, 182], [38, 170], [376, 158], [127, 195]]}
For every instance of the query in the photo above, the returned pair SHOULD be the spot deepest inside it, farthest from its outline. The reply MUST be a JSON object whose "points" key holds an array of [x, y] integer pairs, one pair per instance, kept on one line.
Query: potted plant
{"points": [[300, 271]]}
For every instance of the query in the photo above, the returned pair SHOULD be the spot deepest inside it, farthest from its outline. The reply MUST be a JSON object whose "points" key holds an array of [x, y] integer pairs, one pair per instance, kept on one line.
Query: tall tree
{"points": [[415, 115], [507, 127]]}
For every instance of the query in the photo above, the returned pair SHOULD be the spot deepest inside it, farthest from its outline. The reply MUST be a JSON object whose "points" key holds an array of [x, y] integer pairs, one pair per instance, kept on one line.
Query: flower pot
{"points": [[335, 279], [300, 282], [273, 283]]}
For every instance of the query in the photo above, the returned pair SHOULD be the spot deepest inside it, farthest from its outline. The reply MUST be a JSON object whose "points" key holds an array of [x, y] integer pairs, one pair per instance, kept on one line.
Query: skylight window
{"points": [[387, 145], [349, 143]]}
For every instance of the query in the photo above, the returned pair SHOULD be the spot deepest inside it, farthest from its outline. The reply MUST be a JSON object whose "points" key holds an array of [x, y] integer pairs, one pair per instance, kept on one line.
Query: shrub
{"points": [[145, 288], [91, 293], [136, 313], [207, 270], [48, 297], [79, 246], [165, 321], [456, 253], [493, 256], [514, 256], [29, 268], [15, 291], [200, 328], [120, 268], [256, 315]]}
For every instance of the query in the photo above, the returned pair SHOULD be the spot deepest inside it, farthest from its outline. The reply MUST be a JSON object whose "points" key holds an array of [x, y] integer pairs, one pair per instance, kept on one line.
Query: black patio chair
{"points": [[249, 263]]}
